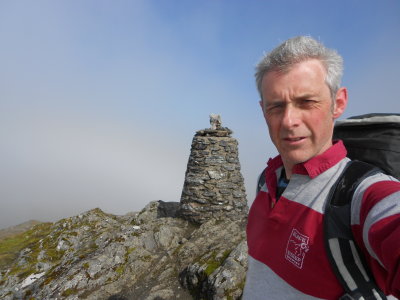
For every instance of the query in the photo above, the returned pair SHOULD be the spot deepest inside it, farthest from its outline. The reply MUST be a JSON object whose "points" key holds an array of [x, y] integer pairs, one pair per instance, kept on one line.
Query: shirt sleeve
{"points": [[380, 228]]}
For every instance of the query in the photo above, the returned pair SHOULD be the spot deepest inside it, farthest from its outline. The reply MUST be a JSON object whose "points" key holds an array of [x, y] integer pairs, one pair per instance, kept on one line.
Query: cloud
{"points": [[58, 167]]}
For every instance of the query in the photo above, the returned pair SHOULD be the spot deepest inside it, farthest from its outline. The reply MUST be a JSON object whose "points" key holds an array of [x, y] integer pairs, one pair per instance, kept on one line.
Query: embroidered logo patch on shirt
{"points": [[297, 248]]}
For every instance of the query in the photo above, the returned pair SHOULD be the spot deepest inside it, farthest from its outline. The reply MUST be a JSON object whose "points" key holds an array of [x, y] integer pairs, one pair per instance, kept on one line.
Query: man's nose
{"points": [[291, 117]]}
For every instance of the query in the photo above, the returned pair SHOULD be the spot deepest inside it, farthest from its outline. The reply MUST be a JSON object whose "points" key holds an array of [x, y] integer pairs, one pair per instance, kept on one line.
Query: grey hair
{"points": [[298, 49]]}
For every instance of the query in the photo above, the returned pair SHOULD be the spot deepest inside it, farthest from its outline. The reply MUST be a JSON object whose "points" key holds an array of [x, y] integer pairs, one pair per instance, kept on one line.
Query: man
{"points": [[299, 85]]}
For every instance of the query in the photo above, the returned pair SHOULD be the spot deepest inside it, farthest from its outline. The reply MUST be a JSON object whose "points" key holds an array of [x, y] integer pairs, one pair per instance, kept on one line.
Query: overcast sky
{"points": [[99, 100]]}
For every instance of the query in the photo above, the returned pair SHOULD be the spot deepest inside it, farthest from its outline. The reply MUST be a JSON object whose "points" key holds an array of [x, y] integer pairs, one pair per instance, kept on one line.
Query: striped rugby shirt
{"points": [[287, 257]]}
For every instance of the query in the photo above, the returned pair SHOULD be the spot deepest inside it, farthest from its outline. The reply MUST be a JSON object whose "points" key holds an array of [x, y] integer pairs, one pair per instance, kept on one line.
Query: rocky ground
{"points": [[153, 254]]}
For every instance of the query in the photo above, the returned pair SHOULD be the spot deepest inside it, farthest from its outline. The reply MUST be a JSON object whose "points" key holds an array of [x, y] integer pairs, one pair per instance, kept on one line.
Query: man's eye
{"points": [[307, 102], [275, 106]]}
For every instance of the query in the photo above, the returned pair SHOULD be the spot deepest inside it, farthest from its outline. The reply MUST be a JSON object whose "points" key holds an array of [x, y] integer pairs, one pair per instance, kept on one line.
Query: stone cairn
{"points": [[214, 186]]}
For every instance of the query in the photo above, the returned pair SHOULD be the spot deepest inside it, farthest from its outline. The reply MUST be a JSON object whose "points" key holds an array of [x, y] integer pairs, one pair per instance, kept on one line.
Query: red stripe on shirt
{"points": [[374, 194]]}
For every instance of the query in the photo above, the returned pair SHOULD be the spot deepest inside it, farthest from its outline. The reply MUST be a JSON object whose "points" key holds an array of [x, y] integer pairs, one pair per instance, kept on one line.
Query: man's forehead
{"points": [[304, 79], [298, 87]]}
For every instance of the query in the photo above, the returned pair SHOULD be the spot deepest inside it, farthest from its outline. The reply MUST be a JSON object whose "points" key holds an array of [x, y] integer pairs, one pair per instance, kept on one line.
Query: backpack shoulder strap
{"points": [[261, 181], [346, 259]]}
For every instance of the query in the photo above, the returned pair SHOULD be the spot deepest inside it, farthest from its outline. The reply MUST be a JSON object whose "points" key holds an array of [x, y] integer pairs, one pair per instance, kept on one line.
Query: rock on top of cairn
{"points": [[216, 128], [215, 121]]}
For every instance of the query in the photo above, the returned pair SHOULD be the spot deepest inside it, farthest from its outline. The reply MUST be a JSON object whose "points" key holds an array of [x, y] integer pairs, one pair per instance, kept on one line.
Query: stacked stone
{"points": [[214, 186]]}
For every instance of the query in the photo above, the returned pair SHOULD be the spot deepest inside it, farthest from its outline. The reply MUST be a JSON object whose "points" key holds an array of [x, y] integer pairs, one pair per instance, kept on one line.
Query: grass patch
{"points": [[11, 246]]}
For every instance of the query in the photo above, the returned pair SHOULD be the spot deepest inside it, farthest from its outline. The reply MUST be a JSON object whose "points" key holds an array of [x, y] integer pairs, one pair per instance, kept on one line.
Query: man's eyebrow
{"points": [[274, 101], [305, 96]]}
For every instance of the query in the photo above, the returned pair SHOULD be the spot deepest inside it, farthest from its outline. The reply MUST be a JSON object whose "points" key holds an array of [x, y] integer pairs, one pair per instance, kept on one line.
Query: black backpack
{"points": [[373, 143], [372, 138]]}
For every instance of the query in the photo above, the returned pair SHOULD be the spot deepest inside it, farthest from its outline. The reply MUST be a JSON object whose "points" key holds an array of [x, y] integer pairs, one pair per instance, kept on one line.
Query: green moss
{"points": [[53, 274], [211, 267], [120, 269], [213, 263], [226, 254], [52, 254], [109, 280], [88, 249], [130, 250], [69, 292], [177, 249]]}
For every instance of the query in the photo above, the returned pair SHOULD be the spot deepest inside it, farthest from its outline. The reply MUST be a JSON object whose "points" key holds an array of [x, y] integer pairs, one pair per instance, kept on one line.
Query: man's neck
{"points": [[287, 169]]}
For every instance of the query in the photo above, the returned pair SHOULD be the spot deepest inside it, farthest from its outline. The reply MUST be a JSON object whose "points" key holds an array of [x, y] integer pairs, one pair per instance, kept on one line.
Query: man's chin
{"points": [[294, 159]]}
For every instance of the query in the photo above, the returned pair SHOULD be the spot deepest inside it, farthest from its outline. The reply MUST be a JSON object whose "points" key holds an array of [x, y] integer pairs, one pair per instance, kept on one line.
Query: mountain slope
{"points": [[153, 254]]}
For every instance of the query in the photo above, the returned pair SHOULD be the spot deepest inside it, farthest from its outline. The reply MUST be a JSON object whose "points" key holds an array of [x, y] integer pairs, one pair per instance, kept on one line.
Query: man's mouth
{"points": [[294, 139]]}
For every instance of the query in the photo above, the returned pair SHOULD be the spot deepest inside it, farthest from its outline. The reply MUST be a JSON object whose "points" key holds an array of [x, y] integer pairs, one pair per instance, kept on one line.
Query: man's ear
{"points": [[340, 102]]}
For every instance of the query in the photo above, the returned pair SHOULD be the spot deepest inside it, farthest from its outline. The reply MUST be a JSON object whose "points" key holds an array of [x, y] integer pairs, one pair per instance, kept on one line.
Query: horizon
{"points": [[100, 100]]}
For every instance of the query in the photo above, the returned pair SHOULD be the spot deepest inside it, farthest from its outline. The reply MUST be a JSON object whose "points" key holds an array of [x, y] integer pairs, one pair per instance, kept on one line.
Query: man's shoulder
{"points": [[375, 192]]}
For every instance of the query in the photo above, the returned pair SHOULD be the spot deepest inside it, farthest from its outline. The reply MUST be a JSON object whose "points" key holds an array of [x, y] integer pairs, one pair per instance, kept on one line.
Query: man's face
{"points": [[297, 106]]}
